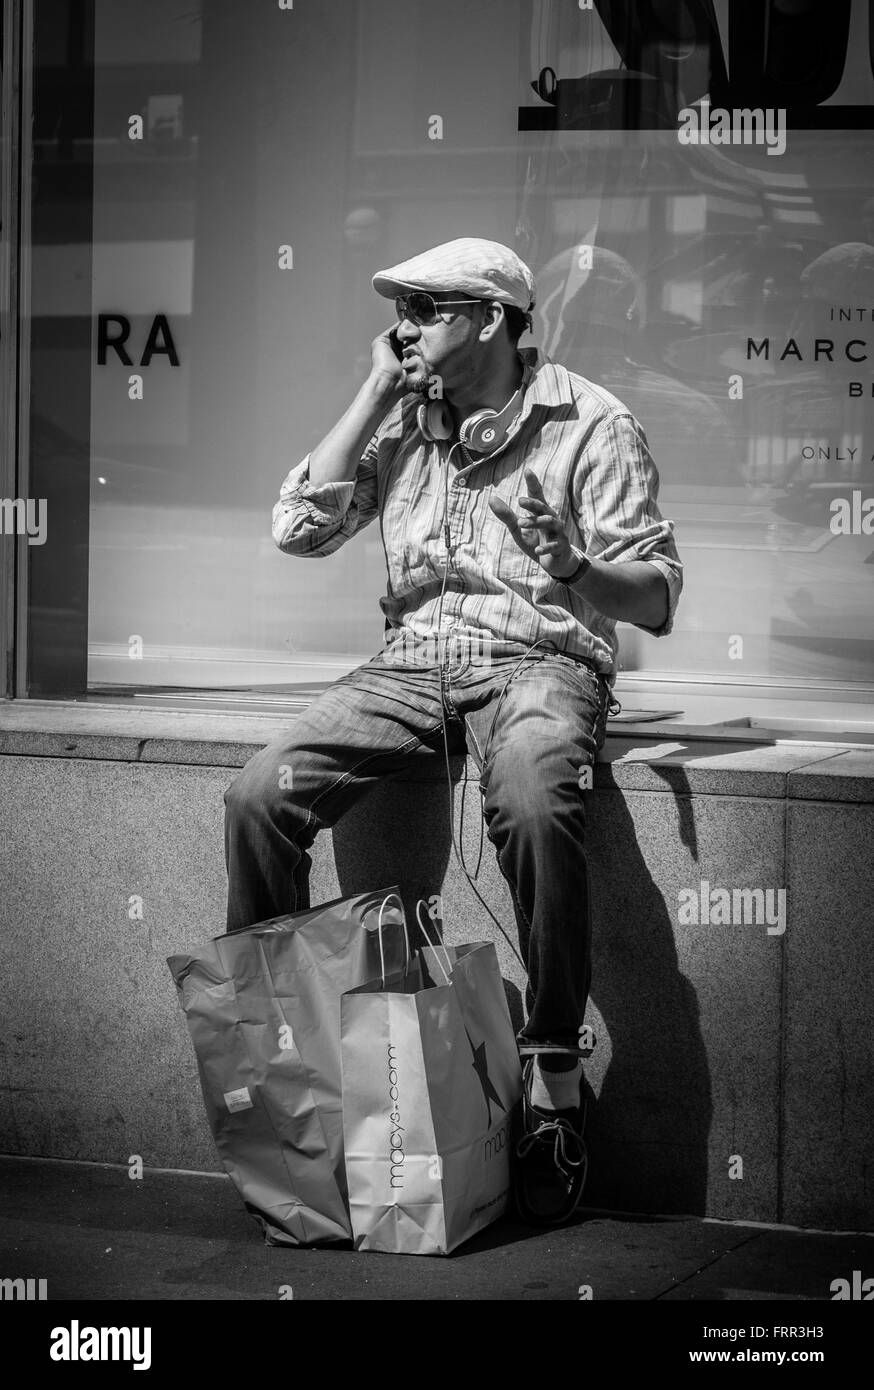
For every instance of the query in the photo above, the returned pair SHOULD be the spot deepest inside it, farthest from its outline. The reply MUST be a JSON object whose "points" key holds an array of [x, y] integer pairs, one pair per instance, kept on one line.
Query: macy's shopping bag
{"points": [[263, 1010], [431, 1076]]}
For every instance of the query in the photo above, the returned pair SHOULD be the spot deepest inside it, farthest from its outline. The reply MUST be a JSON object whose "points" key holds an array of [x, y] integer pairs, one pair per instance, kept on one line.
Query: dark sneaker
{"points": [[550, 1159]]}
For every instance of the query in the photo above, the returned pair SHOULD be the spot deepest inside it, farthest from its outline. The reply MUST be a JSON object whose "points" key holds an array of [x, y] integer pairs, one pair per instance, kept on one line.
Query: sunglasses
{"points": [[421, 309]]}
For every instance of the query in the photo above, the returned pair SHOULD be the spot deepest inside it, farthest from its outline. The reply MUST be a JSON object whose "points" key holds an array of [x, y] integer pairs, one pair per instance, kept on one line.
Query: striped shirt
{"points": [[593, 461]]}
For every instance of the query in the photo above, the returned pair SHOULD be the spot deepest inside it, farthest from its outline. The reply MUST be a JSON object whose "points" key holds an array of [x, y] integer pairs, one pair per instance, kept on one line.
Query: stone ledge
{"points": [[845, 777], [26, 743], [682, 764], [704, 766]]}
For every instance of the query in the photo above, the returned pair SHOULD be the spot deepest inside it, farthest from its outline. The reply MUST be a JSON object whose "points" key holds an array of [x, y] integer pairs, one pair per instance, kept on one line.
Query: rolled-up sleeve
{"points": [[616, 505], [315, 520]]}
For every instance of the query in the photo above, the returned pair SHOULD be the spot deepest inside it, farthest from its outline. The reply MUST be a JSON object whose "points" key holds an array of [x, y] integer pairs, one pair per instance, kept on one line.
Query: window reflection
{"points": [[308, 130]]}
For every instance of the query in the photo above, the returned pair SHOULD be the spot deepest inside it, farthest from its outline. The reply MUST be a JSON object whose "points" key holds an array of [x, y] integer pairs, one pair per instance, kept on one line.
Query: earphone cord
{"points": [[447, 537], [450, 784]]}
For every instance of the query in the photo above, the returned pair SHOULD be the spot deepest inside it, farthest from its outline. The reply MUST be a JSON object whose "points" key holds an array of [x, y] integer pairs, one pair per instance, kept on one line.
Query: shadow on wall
{"points": [[648, 1130]]}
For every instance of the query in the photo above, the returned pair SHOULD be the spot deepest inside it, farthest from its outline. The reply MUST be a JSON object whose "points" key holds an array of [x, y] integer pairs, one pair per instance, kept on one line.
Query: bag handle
{"points": [[424, 930], [386, 900]]}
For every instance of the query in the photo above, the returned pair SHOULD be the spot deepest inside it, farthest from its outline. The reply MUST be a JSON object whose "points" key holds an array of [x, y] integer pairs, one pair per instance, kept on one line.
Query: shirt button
{"points": [[461, 482]]}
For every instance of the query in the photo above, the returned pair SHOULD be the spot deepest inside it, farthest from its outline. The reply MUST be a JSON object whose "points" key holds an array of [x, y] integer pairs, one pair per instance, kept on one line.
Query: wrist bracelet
{"points": [[581, 569]]}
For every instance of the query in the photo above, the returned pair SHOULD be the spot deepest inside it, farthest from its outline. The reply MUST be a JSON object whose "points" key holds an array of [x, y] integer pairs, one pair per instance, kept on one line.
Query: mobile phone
{"points": [[395, 345]]}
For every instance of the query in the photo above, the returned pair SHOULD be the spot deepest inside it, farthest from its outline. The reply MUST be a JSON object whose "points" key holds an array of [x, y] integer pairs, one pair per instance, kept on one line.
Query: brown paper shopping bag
{"points": [[263, 1009], [431, 1076]]}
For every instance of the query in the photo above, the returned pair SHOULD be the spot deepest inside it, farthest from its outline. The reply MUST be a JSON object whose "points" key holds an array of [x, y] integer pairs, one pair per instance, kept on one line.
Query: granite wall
{"points": [[734, 1064]]}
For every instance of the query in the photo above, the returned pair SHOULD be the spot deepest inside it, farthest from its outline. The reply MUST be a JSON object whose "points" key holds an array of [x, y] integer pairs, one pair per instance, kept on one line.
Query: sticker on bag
{"points": [[239, 1100]]}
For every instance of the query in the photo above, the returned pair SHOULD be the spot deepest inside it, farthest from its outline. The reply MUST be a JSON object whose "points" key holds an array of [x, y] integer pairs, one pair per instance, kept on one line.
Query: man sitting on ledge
{"points": [[518, 510]]}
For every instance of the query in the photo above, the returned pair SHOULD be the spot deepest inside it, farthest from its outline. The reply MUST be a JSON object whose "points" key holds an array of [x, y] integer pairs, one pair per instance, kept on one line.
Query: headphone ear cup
{"points": [[480, 432], [434, 421]]}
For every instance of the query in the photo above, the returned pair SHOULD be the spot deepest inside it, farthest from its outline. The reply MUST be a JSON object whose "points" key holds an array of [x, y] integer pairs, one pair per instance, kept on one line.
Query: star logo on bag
{"points": [[481, 1067]]}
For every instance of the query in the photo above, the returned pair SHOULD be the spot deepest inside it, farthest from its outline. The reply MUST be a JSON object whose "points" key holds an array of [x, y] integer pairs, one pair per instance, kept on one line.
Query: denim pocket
{"points": [[587, 675]]}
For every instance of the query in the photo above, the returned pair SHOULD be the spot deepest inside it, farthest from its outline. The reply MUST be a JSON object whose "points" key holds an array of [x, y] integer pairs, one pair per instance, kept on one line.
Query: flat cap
{"points": [[470, 265]]}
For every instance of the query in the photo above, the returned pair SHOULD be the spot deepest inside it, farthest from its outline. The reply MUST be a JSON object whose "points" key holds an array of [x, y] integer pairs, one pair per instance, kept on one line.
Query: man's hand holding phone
{"points": [[386, 369], [336, 458]]}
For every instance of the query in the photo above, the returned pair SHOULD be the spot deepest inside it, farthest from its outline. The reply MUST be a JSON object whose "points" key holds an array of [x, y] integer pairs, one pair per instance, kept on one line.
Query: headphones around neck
{"points": [[480, 433]]}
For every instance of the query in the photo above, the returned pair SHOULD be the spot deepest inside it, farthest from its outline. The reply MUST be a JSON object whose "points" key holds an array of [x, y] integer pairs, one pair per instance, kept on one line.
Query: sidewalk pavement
{"points": [[95, 1233]]}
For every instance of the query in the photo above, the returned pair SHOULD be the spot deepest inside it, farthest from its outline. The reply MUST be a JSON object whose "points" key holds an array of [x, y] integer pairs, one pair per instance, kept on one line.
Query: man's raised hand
{"points": [[537, 530]]}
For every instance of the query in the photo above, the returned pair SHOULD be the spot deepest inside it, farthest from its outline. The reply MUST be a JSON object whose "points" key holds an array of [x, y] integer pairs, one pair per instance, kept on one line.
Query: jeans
{"points": [[529, 744]]}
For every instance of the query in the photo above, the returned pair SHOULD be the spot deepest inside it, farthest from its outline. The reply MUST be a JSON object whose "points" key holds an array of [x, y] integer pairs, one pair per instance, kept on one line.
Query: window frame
{"points": [[15, 144]]}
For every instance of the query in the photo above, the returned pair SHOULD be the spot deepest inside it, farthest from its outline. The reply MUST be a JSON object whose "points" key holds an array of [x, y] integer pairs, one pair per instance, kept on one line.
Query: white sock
{"points": [[556, 1090]]}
